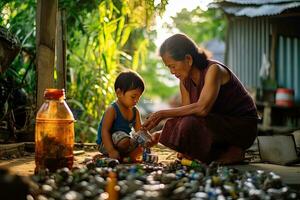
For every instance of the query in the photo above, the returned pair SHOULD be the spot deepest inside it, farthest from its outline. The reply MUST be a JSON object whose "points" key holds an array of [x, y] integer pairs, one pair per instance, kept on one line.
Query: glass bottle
{"points": [[54, 132], [190, 163]]}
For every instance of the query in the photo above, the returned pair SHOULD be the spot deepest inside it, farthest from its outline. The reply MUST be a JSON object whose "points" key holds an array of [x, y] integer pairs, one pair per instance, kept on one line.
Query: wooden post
{"points": [[45, 44], [61, 50], [273, 52], [226, 55]]}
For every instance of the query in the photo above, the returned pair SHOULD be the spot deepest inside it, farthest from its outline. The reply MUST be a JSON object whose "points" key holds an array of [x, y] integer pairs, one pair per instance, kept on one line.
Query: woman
{"points": [[218, 119]]}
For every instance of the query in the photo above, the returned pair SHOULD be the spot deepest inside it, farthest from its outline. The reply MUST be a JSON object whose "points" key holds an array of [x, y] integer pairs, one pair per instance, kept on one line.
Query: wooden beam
{"points": [[45, 44], [273, 52], [227, 33], [61, 50], [287, 26]]}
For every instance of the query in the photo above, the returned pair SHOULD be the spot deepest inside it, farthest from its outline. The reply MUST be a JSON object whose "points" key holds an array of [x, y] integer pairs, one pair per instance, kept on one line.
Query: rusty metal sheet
{"points": [[256, 11]]}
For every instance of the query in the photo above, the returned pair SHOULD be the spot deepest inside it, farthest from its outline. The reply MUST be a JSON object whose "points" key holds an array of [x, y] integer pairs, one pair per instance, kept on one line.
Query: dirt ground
{"points": [[25, 165]]}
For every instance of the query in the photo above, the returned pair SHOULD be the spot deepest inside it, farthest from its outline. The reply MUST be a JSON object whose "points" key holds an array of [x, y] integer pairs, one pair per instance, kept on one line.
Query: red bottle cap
{"points": [[52, 93]]}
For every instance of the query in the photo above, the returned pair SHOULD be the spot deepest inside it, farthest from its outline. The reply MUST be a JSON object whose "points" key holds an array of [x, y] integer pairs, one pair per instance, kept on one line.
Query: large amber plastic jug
{"points": [[54, 133]]}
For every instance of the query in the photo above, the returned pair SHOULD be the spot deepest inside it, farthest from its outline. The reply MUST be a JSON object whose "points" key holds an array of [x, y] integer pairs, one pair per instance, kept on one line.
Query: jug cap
{"points": [[53, 93]]}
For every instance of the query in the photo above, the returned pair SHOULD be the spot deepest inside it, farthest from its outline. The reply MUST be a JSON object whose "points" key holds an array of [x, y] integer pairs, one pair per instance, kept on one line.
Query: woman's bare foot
{"points": [[182, 156], [179, 155], [231, 156]]}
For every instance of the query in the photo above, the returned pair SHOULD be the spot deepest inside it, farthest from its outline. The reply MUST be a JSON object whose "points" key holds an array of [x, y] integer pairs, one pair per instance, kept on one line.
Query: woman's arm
{"points": [[108, 120], [202, 107], [185, 96], [208, 96]]}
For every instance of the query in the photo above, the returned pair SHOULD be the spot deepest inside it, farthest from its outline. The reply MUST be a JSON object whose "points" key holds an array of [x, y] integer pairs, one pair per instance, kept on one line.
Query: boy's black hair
{"points": [[129, 80]]}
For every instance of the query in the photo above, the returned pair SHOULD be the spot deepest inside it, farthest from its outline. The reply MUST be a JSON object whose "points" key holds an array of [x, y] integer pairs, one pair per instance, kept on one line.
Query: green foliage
{"points": [[19, 18], [200, 25], [103, 38], [109, 38], [19, 78], [159, 84]]}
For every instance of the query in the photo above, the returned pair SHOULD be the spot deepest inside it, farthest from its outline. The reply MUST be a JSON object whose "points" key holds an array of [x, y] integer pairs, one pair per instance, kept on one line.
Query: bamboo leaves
{"points": [[103, 37]]}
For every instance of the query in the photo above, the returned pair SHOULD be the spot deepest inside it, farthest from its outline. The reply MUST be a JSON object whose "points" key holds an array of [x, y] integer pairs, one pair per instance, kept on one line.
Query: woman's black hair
{"points": [[129, 80], [180, 45]]}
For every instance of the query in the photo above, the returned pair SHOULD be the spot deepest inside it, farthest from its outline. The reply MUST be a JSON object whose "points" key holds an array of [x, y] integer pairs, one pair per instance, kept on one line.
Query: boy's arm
{"points": [[138, 123], [108, 120]]}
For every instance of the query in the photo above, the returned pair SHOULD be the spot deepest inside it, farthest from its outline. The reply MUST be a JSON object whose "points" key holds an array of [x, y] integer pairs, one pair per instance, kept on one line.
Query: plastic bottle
{"points": [[146, 151], [190, 163], [112, 187], [149, 157], [106, 162], [142, 138], [140, 141], [54, 132]]}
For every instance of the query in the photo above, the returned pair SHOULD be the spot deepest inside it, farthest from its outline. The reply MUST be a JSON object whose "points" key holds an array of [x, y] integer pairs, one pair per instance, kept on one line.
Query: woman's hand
{"points": [[152, 120]]}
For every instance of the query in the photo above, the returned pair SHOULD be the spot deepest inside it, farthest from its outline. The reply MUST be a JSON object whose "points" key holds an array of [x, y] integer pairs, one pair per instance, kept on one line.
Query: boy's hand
{"points": [[114, 154]]}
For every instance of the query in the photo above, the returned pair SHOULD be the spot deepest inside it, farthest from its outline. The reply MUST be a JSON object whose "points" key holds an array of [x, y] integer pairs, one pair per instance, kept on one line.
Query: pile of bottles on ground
{"points": [[105, 178]]}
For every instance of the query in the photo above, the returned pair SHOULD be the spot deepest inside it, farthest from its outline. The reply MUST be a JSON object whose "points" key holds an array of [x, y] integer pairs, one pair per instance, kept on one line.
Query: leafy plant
{"points": [[111, 38], [103, 38], [200, 25]]}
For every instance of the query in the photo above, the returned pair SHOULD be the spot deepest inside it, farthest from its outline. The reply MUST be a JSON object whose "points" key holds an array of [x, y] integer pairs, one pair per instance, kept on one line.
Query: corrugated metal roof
{"points": [[257, 2], [256, 11]]}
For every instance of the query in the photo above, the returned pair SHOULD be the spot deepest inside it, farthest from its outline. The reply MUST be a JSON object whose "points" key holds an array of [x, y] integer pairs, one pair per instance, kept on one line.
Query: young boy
{"points": [[114, 137]]}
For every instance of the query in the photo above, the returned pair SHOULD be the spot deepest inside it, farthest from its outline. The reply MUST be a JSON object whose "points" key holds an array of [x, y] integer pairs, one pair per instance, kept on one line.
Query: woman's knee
{"points": [[190, 122]]}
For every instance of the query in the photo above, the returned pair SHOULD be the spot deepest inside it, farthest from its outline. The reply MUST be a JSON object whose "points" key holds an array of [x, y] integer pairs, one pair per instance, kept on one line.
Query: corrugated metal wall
{"points": [[248, 40], [288, 64]]}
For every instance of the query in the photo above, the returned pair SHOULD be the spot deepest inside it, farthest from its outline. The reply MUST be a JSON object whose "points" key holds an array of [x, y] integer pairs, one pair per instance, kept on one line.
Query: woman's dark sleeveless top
{"points": [[233, 99]]}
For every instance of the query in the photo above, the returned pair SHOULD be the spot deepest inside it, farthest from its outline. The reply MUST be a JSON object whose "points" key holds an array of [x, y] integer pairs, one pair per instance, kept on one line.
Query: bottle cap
{"points": [[52, 93], [142, 137]]}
